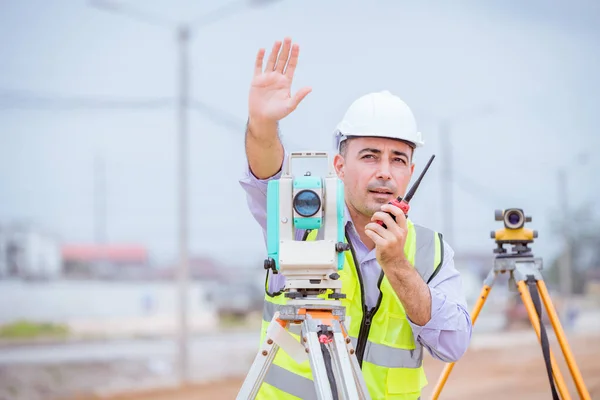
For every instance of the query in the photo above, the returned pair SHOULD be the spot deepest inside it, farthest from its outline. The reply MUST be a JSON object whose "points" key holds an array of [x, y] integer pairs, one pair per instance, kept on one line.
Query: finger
{"points": [[273, 56], [259, 62], [398, 213], [299, 96], [283, 56], [378, 240], [385, 218], [390, 226], [380, 231], [291, 67]]}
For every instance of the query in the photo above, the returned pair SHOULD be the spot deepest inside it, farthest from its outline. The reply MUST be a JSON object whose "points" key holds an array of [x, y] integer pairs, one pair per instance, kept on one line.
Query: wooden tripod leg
{"points": [[448, 368], [562, 340], [534, 319]]}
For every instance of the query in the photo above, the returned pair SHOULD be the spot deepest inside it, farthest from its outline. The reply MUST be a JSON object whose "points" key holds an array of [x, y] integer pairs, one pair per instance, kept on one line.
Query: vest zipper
{"points": [[365, 325]]}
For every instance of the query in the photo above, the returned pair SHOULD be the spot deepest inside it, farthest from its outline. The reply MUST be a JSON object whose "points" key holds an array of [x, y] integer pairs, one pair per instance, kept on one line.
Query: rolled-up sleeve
{"points": [[448, 333]]}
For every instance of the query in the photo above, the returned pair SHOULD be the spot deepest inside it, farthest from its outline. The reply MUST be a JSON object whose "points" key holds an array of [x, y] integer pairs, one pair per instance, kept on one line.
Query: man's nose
{"points": [[384, 171]]}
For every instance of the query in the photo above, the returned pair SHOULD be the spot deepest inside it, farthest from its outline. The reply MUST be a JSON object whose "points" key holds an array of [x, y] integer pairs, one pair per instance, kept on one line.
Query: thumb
{"points": [[298, 97]]}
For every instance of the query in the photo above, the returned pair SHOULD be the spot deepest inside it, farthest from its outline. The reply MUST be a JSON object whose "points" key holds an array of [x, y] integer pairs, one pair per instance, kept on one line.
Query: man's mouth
{"points": [[381, 191]]}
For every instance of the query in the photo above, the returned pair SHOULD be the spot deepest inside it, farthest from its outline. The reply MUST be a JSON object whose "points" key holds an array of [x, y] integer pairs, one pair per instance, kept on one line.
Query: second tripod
{"points": [[526, 277]]}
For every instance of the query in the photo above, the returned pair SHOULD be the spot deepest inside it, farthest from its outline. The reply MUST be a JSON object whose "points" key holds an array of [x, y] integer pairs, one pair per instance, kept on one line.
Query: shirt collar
{"points": [[348, 220], [362, 253]]}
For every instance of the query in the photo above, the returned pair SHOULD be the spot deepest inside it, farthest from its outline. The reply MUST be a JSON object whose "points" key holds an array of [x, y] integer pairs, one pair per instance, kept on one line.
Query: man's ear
{"points": [[338, 164]]}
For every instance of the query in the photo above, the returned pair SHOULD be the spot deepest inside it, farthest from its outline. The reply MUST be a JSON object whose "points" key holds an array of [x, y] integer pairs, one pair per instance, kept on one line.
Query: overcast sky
{"points": [[535, 65]]}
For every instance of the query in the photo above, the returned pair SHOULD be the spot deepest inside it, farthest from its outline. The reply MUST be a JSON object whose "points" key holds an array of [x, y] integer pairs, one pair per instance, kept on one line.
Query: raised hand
{"points": [[270, 98]]}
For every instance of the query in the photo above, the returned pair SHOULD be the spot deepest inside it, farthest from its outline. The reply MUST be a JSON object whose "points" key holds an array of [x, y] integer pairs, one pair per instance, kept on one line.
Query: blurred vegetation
{"points": [[26, 330], [235, 320]]}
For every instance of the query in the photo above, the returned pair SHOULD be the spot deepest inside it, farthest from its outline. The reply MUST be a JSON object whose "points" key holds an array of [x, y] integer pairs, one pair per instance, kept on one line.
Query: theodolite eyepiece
{"points": [[514, 231]]}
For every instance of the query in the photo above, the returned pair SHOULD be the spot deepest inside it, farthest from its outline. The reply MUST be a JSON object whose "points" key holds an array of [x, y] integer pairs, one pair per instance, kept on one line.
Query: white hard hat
{"points": [[379, 114]]}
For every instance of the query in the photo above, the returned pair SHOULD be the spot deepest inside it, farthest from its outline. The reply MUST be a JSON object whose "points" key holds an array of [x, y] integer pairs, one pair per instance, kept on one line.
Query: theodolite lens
{"points": [[307, 203], [514, 219]]}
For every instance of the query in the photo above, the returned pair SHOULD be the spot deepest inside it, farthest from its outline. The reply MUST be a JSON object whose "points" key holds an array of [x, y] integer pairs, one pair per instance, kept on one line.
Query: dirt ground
{"points": [[498, 373]]}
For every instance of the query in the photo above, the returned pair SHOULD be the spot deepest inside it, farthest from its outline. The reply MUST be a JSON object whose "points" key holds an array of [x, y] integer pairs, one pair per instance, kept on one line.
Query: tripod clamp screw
{"points": [[341, 246], [270, 264]]}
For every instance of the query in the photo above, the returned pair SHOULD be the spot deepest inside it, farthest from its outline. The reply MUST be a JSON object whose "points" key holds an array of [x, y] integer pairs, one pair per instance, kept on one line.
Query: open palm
{"points": [[270, 92]]}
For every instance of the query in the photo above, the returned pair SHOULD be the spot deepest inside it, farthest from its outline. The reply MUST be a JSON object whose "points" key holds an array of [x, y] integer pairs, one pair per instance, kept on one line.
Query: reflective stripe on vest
{"points": [[425, 253], [291, 383]]}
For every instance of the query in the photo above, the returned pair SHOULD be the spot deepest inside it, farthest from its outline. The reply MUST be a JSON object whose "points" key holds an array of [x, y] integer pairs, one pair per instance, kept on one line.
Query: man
{"points": [[403, 291]]}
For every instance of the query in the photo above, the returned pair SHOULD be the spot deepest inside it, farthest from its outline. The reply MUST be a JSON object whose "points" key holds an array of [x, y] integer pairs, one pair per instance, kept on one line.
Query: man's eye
{"points": [[401, 160], [368, 156]]}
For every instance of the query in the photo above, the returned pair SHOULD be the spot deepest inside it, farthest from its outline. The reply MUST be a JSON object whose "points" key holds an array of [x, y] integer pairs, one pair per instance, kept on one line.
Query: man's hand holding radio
{"points": [[270, 101], [412, 291], [389, 242]]}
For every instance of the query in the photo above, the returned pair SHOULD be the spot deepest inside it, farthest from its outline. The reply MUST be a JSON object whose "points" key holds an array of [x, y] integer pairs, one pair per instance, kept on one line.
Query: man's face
{"points": [[374, 171]]}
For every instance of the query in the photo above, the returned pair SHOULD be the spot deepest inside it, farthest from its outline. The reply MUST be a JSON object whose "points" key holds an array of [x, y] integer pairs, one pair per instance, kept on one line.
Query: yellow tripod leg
{"points": [[562, 340], [448, 368], [533, 318]]}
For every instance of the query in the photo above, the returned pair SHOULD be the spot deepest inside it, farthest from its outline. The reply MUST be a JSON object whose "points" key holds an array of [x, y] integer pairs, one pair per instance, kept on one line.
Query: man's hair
{"points": [[344, 147]]}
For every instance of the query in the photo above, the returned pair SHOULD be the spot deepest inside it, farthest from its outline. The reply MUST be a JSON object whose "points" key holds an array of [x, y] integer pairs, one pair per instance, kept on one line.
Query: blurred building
{"points": [[29, 253], [478, 263], [111, 261], [592, 283], [231, 289]]}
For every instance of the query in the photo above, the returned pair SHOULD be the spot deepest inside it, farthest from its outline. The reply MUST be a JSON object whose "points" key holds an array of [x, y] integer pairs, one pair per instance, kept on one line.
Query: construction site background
{"points": [[101, 100]]}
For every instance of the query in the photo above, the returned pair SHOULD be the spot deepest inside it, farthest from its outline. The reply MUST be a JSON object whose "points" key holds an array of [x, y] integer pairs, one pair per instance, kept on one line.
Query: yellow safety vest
{"points": [[391, 360]]}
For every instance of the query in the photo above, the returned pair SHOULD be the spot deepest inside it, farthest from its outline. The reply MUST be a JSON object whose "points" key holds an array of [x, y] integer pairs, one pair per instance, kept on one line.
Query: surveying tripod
{"points": [[333, 361], [526, 277]]}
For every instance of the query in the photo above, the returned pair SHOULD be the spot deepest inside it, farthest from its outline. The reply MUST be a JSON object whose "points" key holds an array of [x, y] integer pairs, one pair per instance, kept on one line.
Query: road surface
{"points": [[515, 370], [37, 372], [105, 368]]}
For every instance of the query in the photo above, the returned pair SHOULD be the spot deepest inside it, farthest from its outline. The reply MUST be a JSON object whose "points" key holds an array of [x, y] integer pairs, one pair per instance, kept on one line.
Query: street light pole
{"points": [[100, 232], [447, 176], [566, 264], [566, 284], [183, 34]]}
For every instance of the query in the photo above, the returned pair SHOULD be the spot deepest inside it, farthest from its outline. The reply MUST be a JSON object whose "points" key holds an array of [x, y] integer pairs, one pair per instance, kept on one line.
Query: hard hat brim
{"points": [[339, 137]]}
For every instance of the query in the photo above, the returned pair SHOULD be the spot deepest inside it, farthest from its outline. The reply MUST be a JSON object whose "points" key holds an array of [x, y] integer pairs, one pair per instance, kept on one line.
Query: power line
{"points": [[478, 191], [27, 100], [131, 12], [219, 116]]}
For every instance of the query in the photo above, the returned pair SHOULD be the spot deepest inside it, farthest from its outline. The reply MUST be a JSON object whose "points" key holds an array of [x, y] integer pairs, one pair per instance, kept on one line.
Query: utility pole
{"points": [[445, 126], [100, 236], [183, 32], [566, 270], [564, 208], [183, 275]]}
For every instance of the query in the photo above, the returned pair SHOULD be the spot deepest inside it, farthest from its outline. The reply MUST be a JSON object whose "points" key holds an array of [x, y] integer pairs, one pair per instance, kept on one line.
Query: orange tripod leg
{"points": [[533, 317], [562, 340], [448, 368]]}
